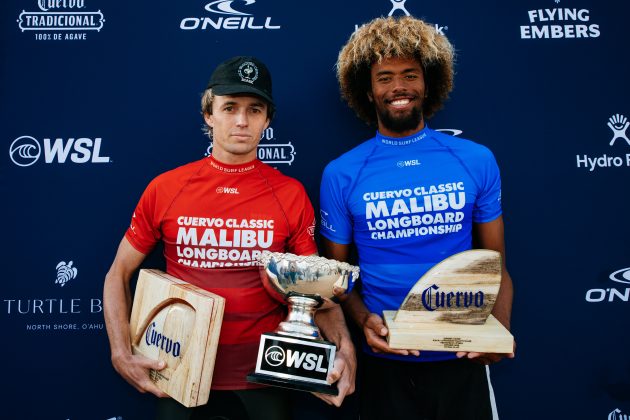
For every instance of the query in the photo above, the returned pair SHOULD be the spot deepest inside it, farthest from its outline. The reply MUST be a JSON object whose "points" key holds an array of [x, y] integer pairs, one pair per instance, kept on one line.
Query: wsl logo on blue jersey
{"points": [[229, 15]]}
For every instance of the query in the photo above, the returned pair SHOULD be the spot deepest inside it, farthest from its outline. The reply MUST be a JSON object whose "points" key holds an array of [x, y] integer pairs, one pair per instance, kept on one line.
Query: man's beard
{"points": [[401, 124]]}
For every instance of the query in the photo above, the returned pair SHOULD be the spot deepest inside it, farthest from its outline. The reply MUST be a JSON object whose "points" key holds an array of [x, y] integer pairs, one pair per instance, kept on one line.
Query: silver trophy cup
{"points": [[295, 354]]}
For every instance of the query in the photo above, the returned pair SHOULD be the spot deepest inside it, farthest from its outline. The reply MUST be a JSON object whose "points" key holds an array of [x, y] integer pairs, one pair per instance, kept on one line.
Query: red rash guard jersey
{"points": [[214, 220]]}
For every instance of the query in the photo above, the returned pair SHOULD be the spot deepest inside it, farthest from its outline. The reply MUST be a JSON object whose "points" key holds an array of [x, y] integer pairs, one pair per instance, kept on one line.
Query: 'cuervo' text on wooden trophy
{"points": [[449, 308]]}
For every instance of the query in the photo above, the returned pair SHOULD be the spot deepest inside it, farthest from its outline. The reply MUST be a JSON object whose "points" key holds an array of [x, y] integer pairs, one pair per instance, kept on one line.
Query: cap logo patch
{"points": [[248, 72]]}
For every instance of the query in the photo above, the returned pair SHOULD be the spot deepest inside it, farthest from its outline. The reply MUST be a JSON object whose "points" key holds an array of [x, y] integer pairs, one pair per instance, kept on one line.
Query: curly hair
{"points": [[404, 37]]}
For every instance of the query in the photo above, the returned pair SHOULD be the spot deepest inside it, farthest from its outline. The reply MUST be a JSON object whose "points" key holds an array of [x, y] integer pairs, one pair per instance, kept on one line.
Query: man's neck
{"points": [[397, 134]]}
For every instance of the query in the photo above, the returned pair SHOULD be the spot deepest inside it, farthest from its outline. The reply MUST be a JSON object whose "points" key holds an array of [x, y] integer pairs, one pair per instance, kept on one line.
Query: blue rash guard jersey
{"points": [[407, 204]]}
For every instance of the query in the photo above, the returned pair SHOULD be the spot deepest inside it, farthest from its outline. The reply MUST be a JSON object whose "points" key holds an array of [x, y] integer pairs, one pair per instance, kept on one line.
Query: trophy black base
{"points": [[292, 362], [260, 378]]}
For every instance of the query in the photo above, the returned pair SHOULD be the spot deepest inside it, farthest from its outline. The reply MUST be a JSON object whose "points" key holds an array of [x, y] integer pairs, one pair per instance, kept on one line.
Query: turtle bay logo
{"points": [[61, 20], [619, 124], [269, 151], [559, 23], [60, 313], [65, 273], [228, 15], [612, 294], [27, 150]]}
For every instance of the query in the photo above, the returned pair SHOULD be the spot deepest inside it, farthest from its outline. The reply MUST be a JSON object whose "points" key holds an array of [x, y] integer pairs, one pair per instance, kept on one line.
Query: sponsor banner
{"points": [[616, 292], [399, 8], [27, 150], [229, 15], [58, 311], [270, 150], [618, 156], [60, 20], [550, 22]]}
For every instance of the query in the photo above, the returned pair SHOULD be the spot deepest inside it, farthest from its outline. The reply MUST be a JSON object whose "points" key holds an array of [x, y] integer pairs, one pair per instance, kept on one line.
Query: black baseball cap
{"points": [[242, 74]]}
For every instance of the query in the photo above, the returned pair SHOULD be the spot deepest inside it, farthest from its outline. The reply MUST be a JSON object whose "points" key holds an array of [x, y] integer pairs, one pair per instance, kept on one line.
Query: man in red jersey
{"points": [[214, 217]]}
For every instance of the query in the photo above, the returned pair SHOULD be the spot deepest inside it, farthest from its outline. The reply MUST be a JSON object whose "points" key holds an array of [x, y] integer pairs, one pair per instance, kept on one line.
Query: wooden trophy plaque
{"points": [[449, 308], [178, 323]]}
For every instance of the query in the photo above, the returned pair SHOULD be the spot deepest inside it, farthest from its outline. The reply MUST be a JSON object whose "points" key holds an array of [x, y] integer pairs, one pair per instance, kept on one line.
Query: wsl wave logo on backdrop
{"points": [[400, 9], [559, 23], [228, 15], [271, 153], [61, 20], [619, 124], [65, 273], [612, 294], [26, 150]]}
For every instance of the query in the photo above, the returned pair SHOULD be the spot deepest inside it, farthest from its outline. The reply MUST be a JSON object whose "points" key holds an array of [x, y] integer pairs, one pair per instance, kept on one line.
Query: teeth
{"points": [[400, 102]]}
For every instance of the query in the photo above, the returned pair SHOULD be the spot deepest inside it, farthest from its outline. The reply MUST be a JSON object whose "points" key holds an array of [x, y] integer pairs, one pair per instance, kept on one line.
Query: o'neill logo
{"points": [[559, 23], [270, 153], [275, 356], [611, 294], [227, 14], [616, 414], [618, 123], [26, 150], [65, 273], [67, 16]]}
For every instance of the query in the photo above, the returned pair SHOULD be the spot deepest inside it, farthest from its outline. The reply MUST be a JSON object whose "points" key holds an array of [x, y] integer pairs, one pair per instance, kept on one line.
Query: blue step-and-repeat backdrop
{"points": [[97, 97]]}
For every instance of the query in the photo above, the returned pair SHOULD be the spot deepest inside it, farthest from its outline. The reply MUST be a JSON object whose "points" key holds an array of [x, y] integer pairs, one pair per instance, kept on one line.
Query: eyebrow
{"points": [[408, 70], [257, 103]]}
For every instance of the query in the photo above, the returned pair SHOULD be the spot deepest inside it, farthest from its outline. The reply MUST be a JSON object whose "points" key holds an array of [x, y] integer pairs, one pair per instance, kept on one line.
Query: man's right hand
{"points": [[135, 370], [375, 332]]}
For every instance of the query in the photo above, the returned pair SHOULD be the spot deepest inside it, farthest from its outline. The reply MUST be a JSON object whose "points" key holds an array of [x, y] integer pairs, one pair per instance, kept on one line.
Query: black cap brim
{"points": [[222, 90]]}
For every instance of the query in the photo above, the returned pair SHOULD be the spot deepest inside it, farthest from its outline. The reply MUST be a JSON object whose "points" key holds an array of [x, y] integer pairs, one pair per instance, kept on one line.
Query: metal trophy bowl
{"points": [[295, 354]]}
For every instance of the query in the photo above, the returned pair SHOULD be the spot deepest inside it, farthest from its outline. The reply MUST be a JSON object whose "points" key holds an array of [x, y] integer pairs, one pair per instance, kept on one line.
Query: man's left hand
{"points": [[486, 358], [343, 373]]}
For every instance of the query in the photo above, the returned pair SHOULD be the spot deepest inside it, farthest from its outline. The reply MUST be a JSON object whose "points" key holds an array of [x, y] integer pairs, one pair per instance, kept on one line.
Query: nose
{"points": [[399, 84], [241, 119]]}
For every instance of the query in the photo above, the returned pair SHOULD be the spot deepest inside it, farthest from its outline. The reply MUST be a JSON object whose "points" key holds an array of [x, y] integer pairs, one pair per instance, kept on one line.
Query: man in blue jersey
{"points": [[409, 198]]}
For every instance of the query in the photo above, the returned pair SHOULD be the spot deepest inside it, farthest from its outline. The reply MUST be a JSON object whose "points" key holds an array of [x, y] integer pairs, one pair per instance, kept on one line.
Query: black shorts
{"points": [[454, 389], [251, 404]]}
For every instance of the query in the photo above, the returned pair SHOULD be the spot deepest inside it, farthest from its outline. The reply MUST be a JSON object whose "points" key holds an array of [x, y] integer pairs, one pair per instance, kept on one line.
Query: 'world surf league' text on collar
{"points": [[401, 141]]}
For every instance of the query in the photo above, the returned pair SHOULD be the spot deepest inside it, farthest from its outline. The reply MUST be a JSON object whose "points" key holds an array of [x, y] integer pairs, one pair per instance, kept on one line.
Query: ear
{"points": [[370, 97], [208, 119]]}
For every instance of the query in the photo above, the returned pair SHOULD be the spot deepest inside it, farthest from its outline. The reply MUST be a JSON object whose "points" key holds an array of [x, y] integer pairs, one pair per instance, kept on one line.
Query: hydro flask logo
{"points": [[398, 5]]}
